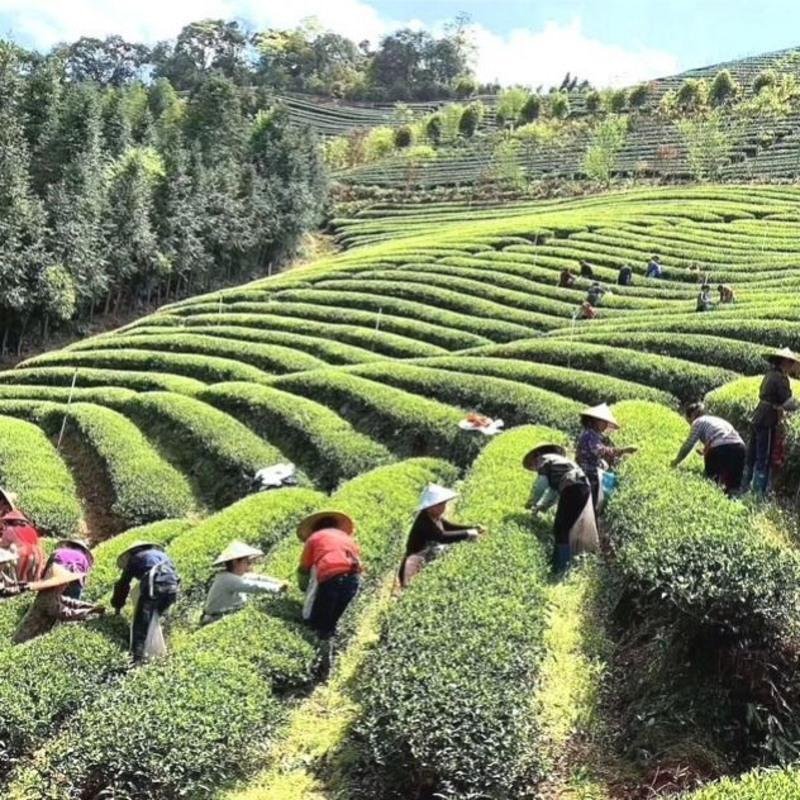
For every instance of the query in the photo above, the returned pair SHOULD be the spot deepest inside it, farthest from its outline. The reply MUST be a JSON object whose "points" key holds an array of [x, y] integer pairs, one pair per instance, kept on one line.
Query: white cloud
{"points": [[544, 56], [522, 56]]}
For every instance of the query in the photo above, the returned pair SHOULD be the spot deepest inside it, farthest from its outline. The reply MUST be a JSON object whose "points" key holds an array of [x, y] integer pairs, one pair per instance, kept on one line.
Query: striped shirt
{"points": [[711, 432]]}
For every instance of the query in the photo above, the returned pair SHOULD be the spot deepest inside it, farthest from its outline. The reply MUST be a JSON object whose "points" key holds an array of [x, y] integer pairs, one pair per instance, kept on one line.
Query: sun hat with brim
{"points": [[77, 544], [122, 558], [542, 450], [342, 522], [783, 353], [7, 497], [602, 413], [434, 494], [15, 516], [7, 556], [237, 550], [59, 576]]}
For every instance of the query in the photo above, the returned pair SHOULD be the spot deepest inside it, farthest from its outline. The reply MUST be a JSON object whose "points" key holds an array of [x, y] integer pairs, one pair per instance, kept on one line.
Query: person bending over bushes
{"points": [[431, 532], [52, 605], [74, 555], [575, 527], [235, 583], [723, 448], [158, 590], [329, 570]]}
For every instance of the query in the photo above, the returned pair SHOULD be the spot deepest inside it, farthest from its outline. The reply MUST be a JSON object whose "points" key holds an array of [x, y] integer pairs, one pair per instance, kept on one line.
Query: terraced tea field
{"points": [[481, 681]]}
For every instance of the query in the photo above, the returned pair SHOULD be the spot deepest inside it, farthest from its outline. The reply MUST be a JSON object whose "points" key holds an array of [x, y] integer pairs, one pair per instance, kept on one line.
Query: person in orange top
{"points": [[329, 570], [22, 538]]}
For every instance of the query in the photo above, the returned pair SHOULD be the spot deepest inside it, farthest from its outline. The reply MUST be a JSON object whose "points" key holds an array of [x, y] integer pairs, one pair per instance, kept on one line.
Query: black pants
{"points": [[145, 609], [331, 601], [571, 503], [725, 466]]}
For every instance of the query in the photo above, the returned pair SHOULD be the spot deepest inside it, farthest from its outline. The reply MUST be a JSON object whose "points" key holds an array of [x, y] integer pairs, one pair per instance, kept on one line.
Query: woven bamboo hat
{"points": [[342, 522], [122, 559], [541, 450], [59, 576], [784, 353], [235, 551], [601, 412], [435, 494]]}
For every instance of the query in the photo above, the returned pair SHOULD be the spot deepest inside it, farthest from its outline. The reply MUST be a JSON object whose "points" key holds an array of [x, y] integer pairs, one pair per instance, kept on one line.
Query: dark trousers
{"points": [[571, 503], [759, 457], [73, 590], [332, 599], [142, 616], [725, 466]]}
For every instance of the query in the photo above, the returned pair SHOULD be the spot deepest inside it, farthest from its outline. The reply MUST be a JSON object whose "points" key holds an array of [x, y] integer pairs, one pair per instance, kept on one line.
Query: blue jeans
{"points": [[760, 458], [331, 601]]}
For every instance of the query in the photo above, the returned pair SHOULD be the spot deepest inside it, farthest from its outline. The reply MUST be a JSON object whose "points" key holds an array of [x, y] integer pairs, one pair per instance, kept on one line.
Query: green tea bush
{"points": [[32, 469], [758, 785], [446, 696], [318, 440]]}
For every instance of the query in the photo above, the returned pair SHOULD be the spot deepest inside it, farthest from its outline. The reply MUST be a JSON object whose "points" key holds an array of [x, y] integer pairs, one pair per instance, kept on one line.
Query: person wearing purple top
{"points": [[74, 555]]}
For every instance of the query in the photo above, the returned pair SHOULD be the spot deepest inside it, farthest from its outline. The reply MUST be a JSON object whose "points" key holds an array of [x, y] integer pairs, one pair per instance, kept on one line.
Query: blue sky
{"points": [[611, 42]]}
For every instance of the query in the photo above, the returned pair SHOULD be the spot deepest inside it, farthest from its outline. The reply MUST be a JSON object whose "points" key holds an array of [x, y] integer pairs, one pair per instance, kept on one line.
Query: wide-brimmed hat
{"points": [[15, 516], [343, 523], [9, 498], [7, 556], [122, 558], [541, 450], [434, 494], [235, 551], [784, 353], [59, 576], [77, 544], [601, 412]]}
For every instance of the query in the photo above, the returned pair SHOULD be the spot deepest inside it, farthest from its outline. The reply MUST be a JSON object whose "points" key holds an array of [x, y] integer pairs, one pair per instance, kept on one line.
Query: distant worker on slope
{"points": [[595, 294], [235, 583], [586, 270], [585, 311], [431, 532], [21, 537], [625, 276], [567, 278], [74, 555], [726, 294], [704, 301], [723, 449], [158, 590], [775, 400], [595, 452], [562, 480], [654, 268]]}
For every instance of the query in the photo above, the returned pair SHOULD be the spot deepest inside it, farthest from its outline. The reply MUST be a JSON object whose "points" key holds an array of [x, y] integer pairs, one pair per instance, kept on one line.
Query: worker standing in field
{"points": [[726, 295], [329, 570], [76, 556], [723, 449], [774, 401], [586, 270], [625, 276], [585, 311], [595, 452], [566, 279], [704, 302], [159, 584], [654, 268], [52, 605], [235, 583], [562, 480], [595, 294], [22, 538], [431, 532]]}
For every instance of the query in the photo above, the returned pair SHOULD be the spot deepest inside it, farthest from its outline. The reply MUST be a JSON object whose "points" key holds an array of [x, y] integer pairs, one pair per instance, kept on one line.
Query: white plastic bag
{"points": [[311, 594], [154, 644]]}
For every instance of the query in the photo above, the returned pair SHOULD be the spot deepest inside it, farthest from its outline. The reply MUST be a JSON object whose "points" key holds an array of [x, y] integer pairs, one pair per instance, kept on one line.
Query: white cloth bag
{"points": [[154, 644], [311, 594]]}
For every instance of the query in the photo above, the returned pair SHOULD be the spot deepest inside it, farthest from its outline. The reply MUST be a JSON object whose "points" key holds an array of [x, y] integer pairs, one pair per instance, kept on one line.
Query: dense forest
{"points": [[131, 175]]}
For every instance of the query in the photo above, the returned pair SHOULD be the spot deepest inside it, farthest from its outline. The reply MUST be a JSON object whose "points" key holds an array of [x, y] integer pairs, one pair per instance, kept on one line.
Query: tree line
{"points": [[119, 189]]}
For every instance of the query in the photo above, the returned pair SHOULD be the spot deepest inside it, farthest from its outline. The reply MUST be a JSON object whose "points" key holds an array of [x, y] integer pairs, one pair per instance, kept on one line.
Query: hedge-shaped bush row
{"points": [[759, 785], [216, 451], [269, 358], [447, 696], [186, 726], [102, 378], [405, 423], [209, 369], [315, 438], [32, 469], [683, 379], [143, 486], [679, 539], [111, 396]]}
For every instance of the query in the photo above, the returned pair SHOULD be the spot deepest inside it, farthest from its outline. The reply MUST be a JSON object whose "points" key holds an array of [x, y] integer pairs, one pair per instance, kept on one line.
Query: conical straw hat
{"points": [[123, 557], [784, 352], [236, 550], [601, 412], [59, 576], [541, 450], [435, 494], [343, 523]]}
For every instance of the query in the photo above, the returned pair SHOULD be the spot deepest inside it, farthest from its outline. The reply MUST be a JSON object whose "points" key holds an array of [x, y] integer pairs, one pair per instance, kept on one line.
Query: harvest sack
{"points": [[583, 537], [311, 594], [607, 485], [154, 644]]}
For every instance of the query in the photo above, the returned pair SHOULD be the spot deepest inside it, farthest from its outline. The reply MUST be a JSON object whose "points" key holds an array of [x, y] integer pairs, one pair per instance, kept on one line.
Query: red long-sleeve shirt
{"points": [[332, 552]]}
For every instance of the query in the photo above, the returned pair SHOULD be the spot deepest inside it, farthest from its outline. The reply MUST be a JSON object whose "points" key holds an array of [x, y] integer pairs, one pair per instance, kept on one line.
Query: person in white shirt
{"points": [[234, 583], [723, 449]]}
